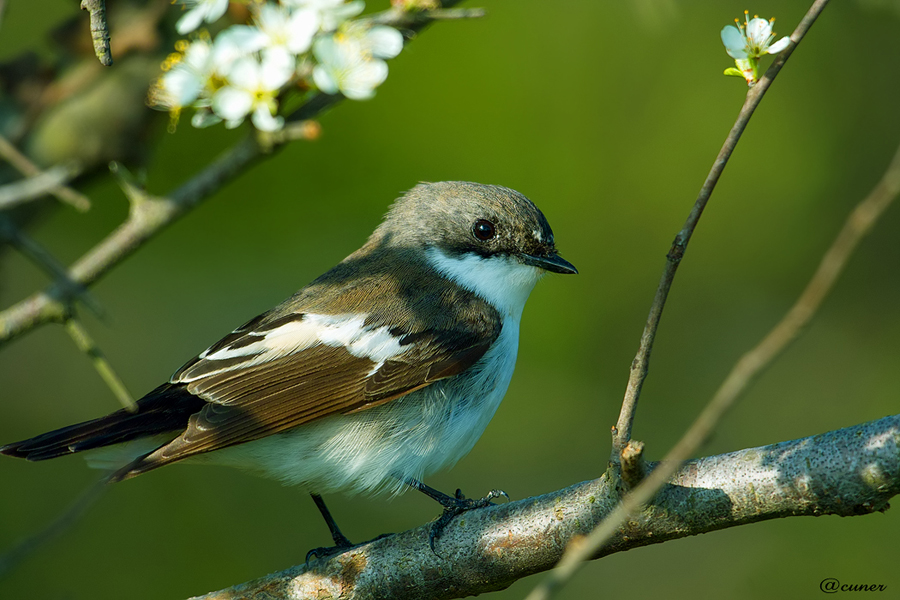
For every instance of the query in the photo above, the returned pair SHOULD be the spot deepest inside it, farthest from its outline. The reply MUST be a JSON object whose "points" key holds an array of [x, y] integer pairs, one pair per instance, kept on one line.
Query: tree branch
{"points": [[150, 215], [24, 166], [31, 188], [847, 472], [641, 364], [99, 30]]}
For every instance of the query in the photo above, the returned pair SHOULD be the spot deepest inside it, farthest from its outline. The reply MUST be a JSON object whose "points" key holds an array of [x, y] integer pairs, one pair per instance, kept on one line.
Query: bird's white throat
{"points": [[501, 280]]}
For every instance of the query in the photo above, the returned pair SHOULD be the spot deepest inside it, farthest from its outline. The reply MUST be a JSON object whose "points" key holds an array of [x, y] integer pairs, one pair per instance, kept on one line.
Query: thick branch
{"points": [[851, 471]]}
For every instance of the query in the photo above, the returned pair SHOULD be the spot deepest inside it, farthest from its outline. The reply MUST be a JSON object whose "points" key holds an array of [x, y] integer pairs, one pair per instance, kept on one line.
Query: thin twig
{"points": [[69, 517], [86, 344], [23, 165], [308, 130], [641, 363], [31, 188], [99, 30], [46, 261], [443, 14]]}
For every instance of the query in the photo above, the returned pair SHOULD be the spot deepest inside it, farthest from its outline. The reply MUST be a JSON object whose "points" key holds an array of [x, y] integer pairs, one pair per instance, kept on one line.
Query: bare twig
{"points": [[30, 188], [443, 14], [46, 261], [23, 165], [847, 472], [641, 363], [99, 29], [295, 130], [69, 517], [86, 344]]}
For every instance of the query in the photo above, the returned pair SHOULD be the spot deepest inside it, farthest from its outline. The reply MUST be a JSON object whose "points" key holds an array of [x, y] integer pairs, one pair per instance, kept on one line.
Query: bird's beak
{"points": [[552, 262]]}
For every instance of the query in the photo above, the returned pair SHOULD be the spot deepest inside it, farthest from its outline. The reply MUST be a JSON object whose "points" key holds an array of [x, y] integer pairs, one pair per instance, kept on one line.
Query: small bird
{"points": [[385, 369]]}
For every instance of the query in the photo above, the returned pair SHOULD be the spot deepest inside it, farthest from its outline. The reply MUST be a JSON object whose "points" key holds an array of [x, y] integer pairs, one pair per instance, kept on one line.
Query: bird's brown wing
{"points": [[266, 378]]}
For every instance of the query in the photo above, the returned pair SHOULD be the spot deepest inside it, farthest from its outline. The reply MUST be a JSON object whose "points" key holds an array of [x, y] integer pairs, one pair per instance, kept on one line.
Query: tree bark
{"points": [[848, 472]]}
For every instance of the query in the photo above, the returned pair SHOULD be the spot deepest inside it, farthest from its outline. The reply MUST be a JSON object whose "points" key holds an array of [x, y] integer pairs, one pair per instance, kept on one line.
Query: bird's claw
{"points": [[456, 505], [340, 547], [328, 551]]}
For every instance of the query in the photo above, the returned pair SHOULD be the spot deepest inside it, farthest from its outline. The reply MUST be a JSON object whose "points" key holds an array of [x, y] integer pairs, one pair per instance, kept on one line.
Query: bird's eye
{"points": [[483, 230]]}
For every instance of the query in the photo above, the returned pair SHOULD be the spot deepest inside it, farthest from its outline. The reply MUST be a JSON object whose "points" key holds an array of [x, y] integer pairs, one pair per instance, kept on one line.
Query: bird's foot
{"points": [[326, 552], [456, 505]]}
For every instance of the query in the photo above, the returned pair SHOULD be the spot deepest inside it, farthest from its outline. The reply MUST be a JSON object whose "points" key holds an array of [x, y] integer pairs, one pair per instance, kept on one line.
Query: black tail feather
{"points": [[164, 410]]}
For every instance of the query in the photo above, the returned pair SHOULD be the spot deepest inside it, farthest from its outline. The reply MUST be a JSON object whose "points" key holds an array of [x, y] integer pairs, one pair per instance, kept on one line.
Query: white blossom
{"points": [[331, 13], [185, 78], [747, 42], [351, 62], [198, 69], [245, 69], [752, 39], [251, 87], [285, 31], [199, 11]]}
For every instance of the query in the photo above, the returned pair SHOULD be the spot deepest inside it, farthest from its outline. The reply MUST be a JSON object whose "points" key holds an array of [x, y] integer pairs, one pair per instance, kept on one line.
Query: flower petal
{"points": [[360, 83], [779, 45], [276, 69], [384, 42], [190, 20], [302, 26], [735, 43], [264, 121], [244, 73], [232, 104], [204, 118], [325, 80], [181, 86], [758, 31]]}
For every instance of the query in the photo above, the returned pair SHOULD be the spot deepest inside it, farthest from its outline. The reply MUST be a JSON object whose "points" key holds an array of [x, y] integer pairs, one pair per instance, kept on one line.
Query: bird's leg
{"points": [[340, 540], [453, 505]]}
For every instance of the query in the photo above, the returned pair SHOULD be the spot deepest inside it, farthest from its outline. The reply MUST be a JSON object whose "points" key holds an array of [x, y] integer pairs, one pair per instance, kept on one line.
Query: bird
{"points": [[382, 371]]}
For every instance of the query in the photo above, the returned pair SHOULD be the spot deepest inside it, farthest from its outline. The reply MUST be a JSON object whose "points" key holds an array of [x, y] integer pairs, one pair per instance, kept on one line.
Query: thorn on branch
{"points": [[131, 187], [99, 29]]}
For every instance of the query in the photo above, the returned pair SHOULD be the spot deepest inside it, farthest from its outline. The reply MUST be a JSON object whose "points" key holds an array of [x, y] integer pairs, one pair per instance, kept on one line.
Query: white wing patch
{"points": [[348, 331]]}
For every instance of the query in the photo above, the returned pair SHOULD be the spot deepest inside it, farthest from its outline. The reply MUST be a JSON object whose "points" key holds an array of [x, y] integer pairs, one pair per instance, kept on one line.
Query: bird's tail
{"points": [[165, 410]]}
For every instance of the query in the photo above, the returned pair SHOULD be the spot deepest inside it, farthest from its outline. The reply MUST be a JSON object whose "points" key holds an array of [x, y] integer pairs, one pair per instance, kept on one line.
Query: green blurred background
{"points": [[608, 115]]}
